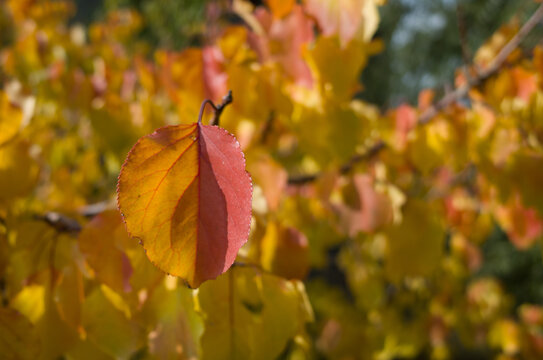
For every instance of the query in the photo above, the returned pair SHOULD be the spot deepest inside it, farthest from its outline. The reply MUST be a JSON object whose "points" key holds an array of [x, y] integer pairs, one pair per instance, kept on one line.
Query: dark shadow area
{"points": [[519, 271]]}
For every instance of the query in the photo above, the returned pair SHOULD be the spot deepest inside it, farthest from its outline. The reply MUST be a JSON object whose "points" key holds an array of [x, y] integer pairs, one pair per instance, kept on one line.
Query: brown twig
{"points": [[218, 109], [226, 100], [345, 168], [496, 64], [60, 222], [92, 210], [445, 101], [267, 128]]}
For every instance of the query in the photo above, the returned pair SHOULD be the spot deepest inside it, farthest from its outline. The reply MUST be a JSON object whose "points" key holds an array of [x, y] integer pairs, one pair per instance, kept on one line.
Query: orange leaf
{"points": [[406, 119], [280, 8], [285, 251], [525, 83], [184, 192], [102, 241]]}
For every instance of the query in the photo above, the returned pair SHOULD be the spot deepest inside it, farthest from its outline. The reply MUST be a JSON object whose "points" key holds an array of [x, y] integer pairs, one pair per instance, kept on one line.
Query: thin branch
{"points": [[60, 222], [202, 108], [345, 168], [267, 128], [91, 210], [484, 74], [64, 224], [226, 100], [445, 101]]}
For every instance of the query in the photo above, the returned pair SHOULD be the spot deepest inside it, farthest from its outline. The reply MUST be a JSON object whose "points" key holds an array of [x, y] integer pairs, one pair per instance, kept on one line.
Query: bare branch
{"points": [[226, 100], [60, 222], [91, 210], [345, 168], [445, 101], [484, 74]]}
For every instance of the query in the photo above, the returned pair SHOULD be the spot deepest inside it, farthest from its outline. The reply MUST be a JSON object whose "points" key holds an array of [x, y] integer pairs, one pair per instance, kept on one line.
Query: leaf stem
{"points": [[206, 101], [226, 100]]}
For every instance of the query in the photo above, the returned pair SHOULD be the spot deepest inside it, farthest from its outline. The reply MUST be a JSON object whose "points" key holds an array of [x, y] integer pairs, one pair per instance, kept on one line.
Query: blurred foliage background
{"points": [[171, 24], [423, 38], [423, 47], [424, 43]]}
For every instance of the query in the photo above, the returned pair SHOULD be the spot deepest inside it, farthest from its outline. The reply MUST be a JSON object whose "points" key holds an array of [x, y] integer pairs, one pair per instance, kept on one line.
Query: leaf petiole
{"points": [[226, 100], [203, 106]]}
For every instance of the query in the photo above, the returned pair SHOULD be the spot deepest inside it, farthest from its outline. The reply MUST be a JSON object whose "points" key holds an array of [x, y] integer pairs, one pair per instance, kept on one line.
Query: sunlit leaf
{"points": [[185, 194], [103, 241], [18, 170], [68, 297], [176, 325], [109, 328], [10, 118], [30, 302], [346, 18], [249, 315]]}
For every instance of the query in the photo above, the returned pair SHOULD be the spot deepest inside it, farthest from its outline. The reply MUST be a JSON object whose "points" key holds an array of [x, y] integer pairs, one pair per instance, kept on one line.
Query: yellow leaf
{"points": [[10, 118], [57, 342], [249, 315], [109, 328], [68, 297], [30, 302], [338, 82], [176, 327], [317, 132], [415, 246], [18, 171], [506, 335], [18, 339]]}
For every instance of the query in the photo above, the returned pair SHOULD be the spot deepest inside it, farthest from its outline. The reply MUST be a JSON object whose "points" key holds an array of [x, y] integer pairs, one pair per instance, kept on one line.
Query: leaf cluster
{"points": [[381, 252]]}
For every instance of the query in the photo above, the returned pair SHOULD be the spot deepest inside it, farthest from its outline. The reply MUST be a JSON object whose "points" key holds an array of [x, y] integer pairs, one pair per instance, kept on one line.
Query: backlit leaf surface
{"points": [[102, 242], [184, 192], [10, 118], [250, 315]]}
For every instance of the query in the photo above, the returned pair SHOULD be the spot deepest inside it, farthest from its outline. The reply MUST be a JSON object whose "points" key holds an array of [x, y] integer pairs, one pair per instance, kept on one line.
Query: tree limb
{"points": [[445, 101]]}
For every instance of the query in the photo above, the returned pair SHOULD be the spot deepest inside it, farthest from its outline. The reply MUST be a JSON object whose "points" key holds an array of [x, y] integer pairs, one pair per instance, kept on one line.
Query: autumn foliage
{"points": [[365, 237], [184, 192]]}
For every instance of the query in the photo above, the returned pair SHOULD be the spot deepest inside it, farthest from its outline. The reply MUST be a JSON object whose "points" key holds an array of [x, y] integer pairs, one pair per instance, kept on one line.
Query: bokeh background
{"points": [[374, 236]]}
